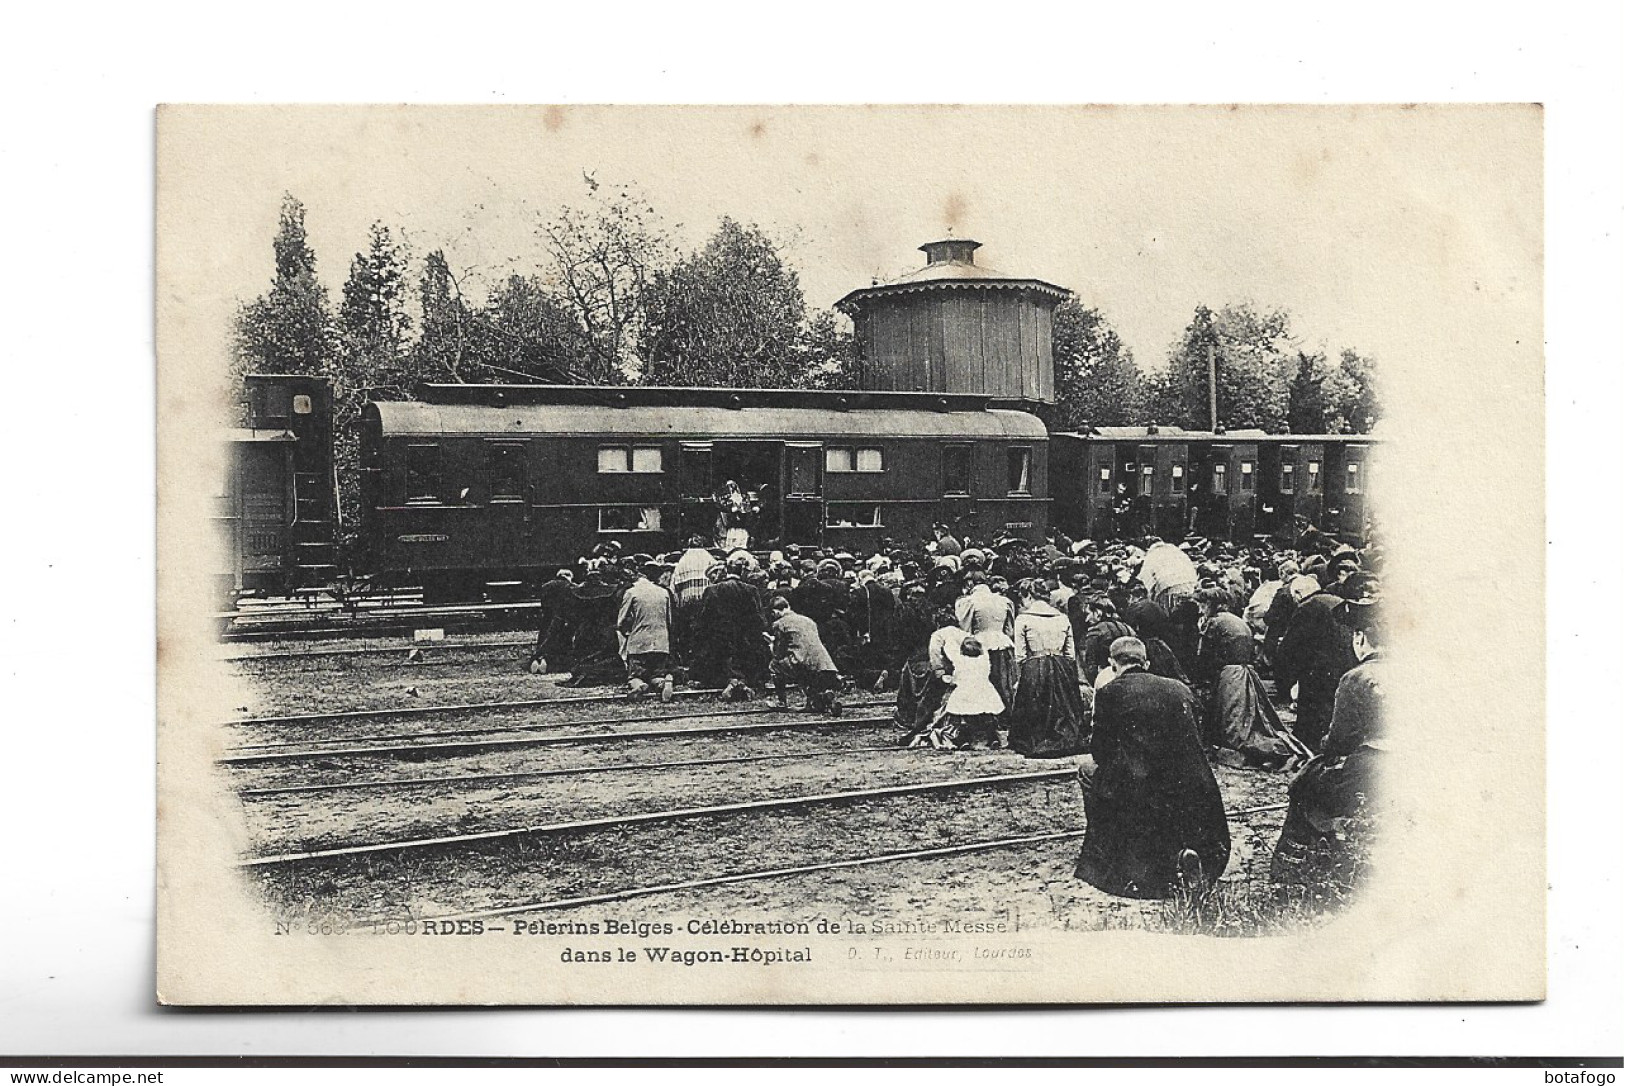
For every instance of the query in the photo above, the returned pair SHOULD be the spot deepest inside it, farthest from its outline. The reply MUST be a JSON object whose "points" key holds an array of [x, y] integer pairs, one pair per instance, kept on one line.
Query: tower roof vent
{"points": [[951, 251]]}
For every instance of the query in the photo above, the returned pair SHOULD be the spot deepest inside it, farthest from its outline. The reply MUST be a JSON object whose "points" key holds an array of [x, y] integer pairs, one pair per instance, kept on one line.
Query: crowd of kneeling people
{"points": [[1148, 657]]}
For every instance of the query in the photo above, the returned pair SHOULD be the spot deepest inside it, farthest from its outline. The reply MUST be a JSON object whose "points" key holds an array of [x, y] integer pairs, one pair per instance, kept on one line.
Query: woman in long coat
{"points": [[919, 690], [1048, 718], [1240, 716]]}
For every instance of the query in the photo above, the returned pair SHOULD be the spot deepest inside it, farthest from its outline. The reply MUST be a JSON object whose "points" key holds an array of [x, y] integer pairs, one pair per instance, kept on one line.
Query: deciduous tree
{"points": [[1096, 380], [1254, 358], [730, 314], [604, 255]]}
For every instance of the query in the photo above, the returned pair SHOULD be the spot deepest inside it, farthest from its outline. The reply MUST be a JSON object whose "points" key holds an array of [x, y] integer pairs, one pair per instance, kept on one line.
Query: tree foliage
{"points": [[826, 354], [1253, 354], [604, 255], [288, 329], [372, 321], [727, 315], [1096, 380]]}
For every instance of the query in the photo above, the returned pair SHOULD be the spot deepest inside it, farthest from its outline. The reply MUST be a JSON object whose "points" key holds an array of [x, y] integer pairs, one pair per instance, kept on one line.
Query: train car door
{"points": [[1356, 480], [1172, 466], [696, 483], [1243, 492], [803, 491]]}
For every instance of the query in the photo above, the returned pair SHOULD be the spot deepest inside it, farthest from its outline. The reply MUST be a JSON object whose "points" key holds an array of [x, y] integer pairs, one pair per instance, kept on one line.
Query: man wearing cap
{"points": [[947, 545], [1154, 818], [991, 619], [644, 623]]}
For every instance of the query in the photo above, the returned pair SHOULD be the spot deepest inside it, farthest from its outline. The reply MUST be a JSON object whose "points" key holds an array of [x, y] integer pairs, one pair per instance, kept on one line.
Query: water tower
{"points": [[955, 326]]}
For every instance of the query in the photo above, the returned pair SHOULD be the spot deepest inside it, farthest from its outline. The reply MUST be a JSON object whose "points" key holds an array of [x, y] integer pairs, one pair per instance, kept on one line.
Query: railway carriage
{"points": [[275, 505], [1135, 481], [479, 488]]}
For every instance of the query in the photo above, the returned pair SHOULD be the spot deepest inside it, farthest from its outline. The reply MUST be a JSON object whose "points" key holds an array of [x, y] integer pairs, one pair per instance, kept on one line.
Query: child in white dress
{"points": [[972, 709]]}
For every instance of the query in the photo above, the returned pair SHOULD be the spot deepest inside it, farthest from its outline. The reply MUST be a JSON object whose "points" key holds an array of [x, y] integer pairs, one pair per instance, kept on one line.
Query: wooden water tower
{"points": [[954, 326]]}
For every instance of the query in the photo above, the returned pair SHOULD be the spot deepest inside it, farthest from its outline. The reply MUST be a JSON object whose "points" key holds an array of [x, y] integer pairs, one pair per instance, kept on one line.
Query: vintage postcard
{"points": [[850, 555]]}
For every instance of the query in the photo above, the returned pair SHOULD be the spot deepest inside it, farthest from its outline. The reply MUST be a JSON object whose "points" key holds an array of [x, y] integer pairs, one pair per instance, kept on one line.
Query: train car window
{"points": [[619, 459], [1148, 479], [956, 461], [848, 459], [852, 515], [1286, 478], [628, 518], [506, 465], [301, 405], [1020, 462], [1103, 484], [1314, 476], [1221, 480], [1353, 484], [423, 473], [1178, 473], [1247, 476]]}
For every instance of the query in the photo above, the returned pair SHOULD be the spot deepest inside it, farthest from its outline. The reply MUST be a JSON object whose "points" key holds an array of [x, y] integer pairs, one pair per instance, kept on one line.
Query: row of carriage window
{"points": [[1219, 479], [506, 464]]}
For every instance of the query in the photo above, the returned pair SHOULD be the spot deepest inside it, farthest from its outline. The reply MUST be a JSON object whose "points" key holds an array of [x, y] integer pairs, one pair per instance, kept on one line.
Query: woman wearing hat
{"points": [[1048, 718]]}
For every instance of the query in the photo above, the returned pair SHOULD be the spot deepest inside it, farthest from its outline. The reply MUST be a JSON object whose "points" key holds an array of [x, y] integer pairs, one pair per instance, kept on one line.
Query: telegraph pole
{"points": [[1212, 391]]}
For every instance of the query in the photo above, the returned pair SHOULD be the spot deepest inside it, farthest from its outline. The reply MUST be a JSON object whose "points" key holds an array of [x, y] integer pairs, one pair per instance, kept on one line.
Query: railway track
{"points": [[468, 779], [452, 709], [551, 725], [432, 652], [769, 873], [618, 822], [473, 745]]}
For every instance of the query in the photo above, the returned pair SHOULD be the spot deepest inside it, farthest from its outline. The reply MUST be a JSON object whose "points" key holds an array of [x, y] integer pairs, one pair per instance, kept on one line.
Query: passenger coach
{"points": [[482, 487]]}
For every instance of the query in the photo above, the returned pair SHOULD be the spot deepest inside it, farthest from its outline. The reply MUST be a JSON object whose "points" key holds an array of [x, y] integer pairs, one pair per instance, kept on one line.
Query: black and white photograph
{"points": [[848, 555]]}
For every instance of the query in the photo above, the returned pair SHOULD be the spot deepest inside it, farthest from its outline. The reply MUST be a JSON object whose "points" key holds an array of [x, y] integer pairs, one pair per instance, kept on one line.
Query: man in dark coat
{"points": [[728, 634], [553, 602], [595, 652], [1155, 819], [872, 608], [825, 598], [1316, 651], [1336, 804]]}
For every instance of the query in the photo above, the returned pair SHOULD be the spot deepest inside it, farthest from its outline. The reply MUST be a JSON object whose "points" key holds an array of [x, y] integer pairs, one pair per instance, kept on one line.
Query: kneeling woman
{"points": [[1049, 718]]}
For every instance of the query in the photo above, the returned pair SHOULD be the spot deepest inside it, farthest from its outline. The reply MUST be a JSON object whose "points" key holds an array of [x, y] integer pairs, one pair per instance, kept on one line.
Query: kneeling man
{"points": [[1155, 820]]}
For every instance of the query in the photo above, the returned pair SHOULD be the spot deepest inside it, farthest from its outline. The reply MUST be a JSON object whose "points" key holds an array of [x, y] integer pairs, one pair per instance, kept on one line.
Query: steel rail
{"points": [[750, 876], [817, 799], [544, 740], [420, 710], [397, 649], [628, 767], [551, 725]]}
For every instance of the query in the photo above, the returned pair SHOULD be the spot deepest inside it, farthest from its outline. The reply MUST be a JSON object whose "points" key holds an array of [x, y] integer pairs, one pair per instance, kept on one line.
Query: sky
{"points": [[1364, 223]]}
